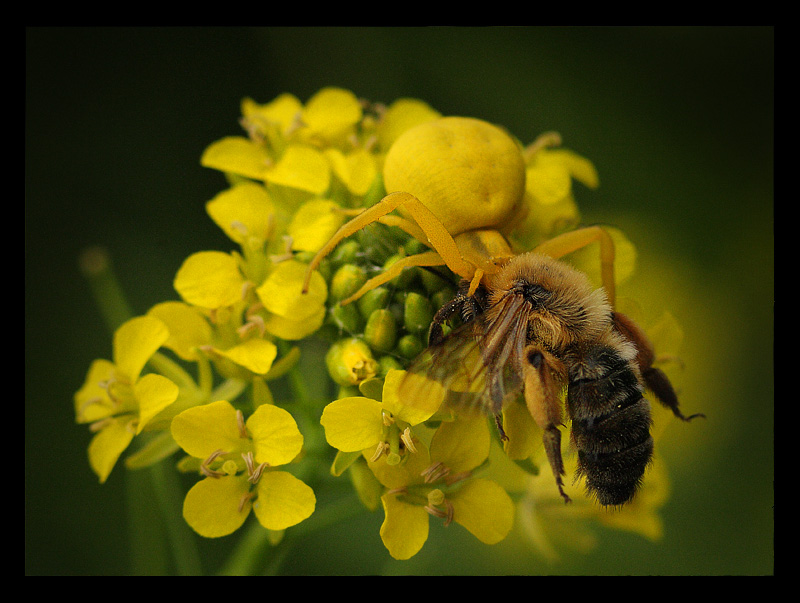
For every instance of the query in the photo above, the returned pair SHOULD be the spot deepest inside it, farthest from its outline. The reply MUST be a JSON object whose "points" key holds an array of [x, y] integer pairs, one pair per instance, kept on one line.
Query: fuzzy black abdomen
{"points": [[610, 424]]}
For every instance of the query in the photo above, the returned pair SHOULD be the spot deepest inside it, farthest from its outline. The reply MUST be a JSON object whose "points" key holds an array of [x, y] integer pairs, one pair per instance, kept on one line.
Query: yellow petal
{"points": [[243, 211], [237, 155], [211, 507], [91, 400], [135, 342], [314, 223], [405, 527], [283, 500], [485, 509], [357, 169], [303, 168], [293, 330], [579, 167], [524, 436], [188, 327], [209, 279], [462, 444], [202, 430], [282, 291], [353, 424], [282, 111], [403, 114], [107, 445], [411, 397], [407, 473], [275, 436], [154, 393], [331, 114], [548, 181], [256, 355]]}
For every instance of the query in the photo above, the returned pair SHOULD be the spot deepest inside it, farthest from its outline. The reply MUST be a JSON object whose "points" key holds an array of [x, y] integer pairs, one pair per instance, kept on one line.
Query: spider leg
{"points": [[571, 241], [435, 233]]}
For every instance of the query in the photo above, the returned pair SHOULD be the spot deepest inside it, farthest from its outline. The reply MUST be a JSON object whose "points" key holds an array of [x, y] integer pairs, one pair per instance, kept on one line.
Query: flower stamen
{"points": [[204, 466]]}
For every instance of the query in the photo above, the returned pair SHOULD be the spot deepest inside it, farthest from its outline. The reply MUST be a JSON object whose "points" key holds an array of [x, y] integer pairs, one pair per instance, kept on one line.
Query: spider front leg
{"points": [[571, 241], [445, 249]]}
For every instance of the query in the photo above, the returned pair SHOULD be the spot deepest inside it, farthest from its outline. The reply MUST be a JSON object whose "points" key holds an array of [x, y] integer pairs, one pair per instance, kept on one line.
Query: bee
{"points": [[535, 327]]}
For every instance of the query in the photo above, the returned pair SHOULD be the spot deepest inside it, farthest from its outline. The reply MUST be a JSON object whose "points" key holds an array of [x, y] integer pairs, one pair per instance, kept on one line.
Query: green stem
{"points": [[95, 264], [181, 537]]}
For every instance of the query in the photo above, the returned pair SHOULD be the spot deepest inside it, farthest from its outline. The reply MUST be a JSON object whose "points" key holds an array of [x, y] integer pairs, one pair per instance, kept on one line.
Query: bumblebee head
{"points": [[561, 305]]}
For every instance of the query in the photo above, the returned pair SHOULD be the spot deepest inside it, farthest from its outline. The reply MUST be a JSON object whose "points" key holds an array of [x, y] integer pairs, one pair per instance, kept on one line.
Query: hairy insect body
{"points": [[541, 327], [610, 421]]}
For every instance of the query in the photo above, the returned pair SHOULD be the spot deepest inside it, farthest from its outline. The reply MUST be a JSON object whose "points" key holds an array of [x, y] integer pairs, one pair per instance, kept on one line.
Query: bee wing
{"points": [[478, 364]]}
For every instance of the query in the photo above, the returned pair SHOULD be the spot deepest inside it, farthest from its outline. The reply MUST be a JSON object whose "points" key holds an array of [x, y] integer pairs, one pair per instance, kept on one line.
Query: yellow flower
{"points": [[116, 399], [329, 117], [239, 460], [245, 213], [358, 423], [549, 204], [402, 115], [210, 280], [291, 313], [440, 483], [314, 224]]}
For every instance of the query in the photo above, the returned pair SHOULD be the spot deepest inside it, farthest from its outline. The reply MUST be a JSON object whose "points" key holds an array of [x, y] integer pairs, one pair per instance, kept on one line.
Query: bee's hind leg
{"points": [[654, 378], [545, 408]]}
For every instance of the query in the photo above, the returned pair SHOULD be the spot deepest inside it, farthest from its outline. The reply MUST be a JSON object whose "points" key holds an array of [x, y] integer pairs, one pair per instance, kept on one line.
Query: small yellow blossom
{"points": [[440, 483], [239, 459], [116, 399], [243, 212]]}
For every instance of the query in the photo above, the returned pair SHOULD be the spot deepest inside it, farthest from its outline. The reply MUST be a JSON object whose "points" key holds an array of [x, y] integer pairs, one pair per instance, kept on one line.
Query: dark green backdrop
{"points": [[679, 122]]}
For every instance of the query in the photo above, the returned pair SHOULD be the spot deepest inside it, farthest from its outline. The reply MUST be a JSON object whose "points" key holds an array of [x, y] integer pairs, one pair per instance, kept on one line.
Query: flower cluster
{"points": [[296, 175]]}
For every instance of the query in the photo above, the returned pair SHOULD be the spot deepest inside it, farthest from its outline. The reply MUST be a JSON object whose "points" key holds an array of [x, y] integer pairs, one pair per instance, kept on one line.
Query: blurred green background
{"points": [[678, 121]]}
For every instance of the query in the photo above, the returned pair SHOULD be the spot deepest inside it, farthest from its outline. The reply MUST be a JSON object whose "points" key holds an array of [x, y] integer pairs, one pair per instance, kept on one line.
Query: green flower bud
{"points": [[431, 281], [381, 330], [372, 300], [409, 346], [406, 277], [347, 318], [345, 253], [418, 313], [388, 363], [350, 361], [346, 281]]}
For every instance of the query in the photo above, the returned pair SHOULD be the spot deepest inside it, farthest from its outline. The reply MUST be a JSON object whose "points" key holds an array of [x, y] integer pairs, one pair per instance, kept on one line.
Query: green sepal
{"points": [[342, 461], [156, 449]]}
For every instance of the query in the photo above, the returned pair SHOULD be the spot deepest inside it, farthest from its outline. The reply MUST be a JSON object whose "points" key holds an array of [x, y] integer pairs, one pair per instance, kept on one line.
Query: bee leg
{"points": [[573, 240], [436, 334], [468, 306], [498, 420], [654, 378], [543, 404]]}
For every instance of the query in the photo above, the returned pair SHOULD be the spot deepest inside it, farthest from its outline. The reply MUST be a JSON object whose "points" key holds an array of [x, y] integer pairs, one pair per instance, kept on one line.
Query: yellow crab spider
{"points": [[472, 177]]}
